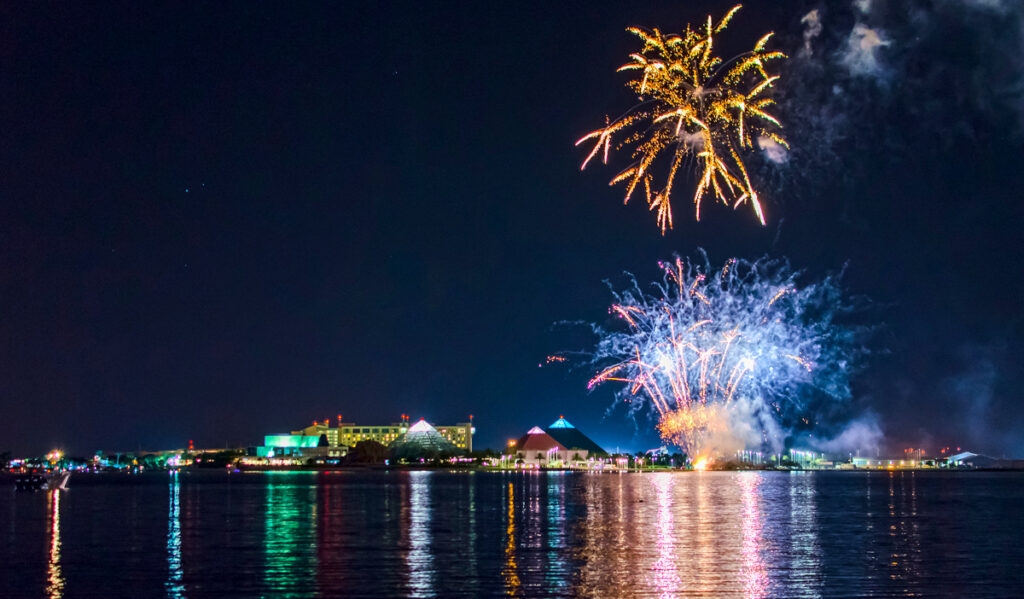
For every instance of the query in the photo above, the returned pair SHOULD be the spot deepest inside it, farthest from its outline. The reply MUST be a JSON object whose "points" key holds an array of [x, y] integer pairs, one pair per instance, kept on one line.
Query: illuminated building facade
{"points": [[459, 435], [317, 429], [351, 433], [347, 434], [423, 441], [286, 445], [293, 450], [537, 448], [560, 445], [891, 463]]}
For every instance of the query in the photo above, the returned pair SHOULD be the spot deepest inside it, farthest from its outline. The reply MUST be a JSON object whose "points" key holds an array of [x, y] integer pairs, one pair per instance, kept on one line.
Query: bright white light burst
{"points": [[746, 351]]}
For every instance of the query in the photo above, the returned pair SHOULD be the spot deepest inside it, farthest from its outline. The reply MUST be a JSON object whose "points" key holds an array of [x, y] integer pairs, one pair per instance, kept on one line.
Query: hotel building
{"points": [[350, 433]]}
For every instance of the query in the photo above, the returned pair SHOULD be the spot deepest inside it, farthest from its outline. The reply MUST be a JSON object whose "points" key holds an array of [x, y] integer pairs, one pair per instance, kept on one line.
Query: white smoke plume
{"points": [[812, 29], [773, 150], [953, 68], [862, 436], [863, 6], [861, 55]]}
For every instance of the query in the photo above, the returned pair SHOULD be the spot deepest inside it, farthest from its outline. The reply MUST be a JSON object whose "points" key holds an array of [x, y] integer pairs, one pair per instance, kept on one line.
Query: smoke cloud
{"points": [[812, 29], [861, 54], [862, 436], [773, 150], [973, 391], [743, 424], [955, 69]]}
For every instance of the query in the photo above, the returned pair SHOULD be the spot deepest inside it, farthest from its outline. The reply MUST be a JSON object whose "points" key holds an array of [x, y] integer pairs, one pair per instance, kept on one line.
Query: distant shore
{"points": [[9, 476]]}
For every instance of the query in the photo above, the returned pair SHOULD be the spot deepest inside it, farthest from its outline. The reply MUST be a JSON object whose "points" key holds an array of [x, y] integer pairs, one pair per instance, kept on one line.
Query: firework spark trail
{"points": [[705, 341], [693, 105]]}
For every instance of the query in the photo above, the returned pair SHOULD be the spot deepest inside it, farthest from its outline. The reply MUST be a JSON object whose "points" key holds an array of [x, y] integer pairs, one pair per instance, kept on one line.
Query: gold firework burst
{"points": [[693, 105]]}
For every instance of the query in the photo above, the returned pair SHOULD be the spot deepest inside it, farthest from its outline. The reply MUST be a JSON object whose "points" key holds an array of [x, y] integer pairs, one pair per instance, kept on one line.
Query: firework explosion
{"points": [[741, 353], [693, 105]]}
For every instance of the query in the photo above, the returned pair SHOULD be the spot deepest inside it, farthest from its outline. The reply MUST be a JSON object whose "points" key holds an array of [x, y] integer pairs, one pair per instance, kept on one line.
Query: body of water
{"points": [[481, 534]]}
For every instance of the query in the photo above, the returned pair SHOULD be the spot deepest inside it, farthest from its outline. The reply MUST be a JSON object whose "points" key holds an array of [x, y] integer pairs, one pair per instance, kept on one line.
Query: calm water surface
{"points": [[471, 534]]}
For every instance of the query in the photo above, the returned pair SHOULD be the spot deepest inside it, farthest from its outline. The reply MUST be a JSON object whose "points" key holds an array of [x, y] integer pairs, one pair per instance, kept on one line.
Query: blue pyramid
{"points": [[571, 437]]}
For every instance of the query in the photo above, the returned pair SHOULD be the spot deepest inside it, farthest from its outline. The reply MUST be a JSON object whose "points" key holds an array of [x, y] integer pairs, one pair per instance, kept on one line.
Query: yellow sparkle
{"points": [[693, 105]]}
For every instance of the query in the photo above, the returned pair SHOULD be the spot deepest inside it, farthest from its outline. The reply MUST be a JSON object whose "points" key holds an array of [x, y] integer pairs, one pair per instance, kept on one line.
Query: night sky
{"points": [[223, 221]]}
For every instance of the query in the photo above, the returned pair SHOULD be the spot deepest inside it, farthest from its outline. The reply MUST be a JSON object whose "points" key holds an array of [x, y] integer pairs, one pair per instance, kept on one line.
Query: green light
{"points": [[290, 441], [290, 542]]}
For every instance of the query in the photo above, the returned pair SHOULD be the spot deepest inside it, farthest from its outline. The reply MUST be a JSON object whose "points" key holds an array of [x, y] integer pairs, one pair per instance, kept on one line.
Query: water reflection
{"points": [[904, 556], [377, 534], [557, 570], [666, 575], [54, 574], [803, 535], [420, 559], [174, 585], [895, 556], [707, 567], [471, 542], [510, 570], [617, 533], [290, 533], [753, 572], [331, 553]]}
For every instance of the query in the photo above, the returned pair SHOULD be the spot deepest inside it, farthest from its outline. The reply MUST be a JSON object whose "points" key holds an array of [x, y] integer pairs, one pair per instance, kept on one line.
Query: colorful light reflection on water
{"points": [[175, 588], [510, 570], [290, 532], [54, 575], [378, 534], [419, 558], [667, 581], [755, 577]]}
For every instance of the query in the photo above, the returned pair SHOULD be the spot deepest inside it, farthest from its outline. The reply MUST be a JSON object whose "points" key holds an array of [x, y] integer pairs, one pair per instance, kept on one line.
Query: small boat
{"points": [[57, 481]]}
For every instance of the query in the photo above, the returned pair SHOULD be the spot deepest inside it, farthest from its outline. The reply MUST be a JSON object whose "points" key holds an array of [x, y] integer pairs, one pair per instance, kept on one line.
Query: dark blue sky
{"points": [[223, 221]]}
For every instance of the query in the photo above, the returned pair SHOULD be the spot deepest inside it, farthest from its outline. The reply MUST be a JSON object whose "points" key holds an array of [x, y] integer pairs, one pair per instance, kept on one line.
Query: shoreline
{"points": [[10, 476]]}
